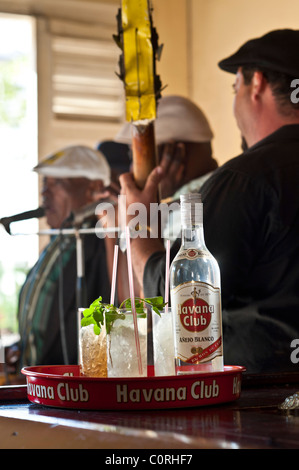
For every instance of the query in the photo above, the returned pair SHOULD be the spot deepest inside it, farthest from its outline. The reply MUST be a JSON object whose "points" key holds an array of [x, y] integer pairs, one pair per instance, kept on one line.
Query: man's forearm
{"points": [[142, 249]]}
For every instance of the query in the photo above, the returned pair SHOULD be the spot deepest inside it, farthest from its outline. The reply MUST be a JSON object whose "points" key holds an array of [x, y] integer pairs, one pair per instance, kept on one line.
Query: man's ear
{"points": [[258, 85]]}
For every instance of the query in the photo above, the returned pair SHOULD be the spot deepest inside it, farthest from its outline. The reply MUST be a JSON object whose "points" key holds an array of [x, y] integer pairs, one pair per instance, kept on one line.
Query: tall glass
{"points": [[122, 356], [163, 343], [92, 350]]}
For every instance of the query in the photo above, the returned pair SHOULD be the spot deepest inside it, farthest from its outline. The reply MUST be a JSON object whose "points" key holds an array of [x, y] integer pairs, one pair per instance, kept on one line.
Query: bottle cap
{"points": [[191, 209]]}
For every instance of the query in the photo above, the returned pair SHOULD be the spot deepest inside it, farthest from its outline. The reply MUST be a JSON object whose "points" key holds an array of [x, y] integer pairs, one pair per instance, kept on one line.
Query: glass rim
{"points": [[123, 309]]}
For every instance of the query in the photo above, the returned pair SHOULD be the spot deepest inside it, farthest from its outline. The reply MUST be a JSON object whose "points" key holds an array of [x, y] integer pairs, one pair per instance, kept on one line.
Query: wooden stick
{"points": [[144, 152]]}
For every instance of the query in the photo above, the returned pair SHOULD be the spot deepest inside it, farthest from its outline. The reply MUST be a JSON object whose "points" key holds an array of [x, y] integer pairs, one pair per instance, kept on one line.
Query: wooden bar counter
{"points": [[254, 421]]}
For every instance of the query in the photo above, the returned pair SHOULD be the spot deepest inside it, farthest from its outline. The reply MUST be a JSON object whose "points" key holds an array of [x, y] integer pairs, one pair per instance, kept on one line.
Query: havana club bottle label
{"points": [[197, 313]]}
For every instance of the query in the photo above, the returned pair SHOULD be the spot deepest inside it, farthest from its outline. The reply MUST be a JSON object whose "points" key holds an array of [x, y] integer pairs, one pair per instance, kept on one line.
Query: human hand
{"points": [[132, 196], [172, 160], [133, 200]]}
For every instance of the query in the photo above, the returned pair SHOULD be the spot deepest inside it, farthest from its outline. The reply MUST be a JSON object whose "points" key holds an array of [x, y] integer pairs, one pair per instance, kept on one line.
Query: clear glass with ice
{"points": [[122, 359], [163, 343]]}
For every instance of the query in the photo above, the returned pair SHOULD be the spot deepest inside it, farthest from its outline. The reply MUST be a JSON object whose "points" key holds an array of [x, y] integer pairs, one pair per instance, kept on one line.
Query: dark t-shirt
{"points": [[251, 224]]}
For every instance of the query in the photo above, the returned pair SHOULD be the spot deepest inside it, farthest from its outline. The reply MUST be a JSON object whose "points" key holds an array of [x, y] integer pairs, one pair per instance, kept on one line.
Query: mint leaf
{"points": [[157, 304], [98, 311]]}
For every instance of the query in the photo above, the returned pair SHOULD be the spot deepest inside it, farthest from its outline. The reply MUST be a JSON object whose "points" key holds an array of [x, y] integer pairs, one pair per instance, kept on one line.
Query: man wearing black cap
{"points": [[251, 211]]}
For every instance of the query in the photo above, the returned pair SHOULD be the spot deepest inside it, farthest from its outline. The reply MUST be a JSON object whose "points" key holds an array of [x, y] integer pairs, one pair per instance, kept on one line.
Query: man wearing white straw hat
{"points": [[183, 136], [47, 311]]}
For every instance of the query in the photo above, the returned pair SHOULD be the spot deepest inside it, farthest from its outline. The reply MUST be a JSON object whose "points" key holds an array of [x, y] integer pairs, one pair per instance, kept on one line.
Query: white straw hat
{"points": [[178, 119], [76, 161]]}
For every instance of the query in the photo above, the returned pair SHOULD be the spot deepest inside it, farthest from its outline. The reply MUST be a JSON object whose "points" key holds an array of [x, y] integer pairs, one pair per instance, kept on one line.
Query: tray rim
{"points": [[34, 371], [147, 392]]}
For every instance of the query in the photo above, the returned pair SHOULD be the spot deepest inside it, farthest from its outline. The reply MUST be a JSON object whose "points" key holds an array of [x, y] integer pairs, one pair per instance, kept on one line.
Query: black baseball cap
{"points": [[277, 50]]}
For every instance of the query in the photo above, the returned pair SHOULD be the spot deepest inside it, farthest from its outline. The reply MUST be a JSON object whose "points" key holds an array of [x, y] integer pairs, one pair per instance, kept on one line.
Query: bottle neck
{"points": [[193, 236], [192, 221]]}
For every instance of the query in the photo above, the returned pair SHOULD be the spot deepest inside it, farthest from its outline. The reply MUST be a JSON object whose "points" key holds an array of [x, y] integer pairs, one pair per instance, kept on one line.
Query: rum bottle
{"points": [[195, 293]]}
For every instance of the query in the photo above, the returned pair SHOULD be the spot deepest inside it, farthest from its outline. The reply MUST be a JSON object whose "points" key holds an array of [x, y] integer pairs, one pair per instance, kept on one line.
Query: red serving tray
{"points": [[63, 387]]}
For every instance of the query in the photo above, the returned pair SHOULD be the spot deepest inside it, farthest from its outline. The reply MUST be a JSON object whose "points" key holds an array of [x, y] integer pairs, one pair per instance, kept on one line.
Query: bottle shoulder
{"points": [[199, 266]]}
